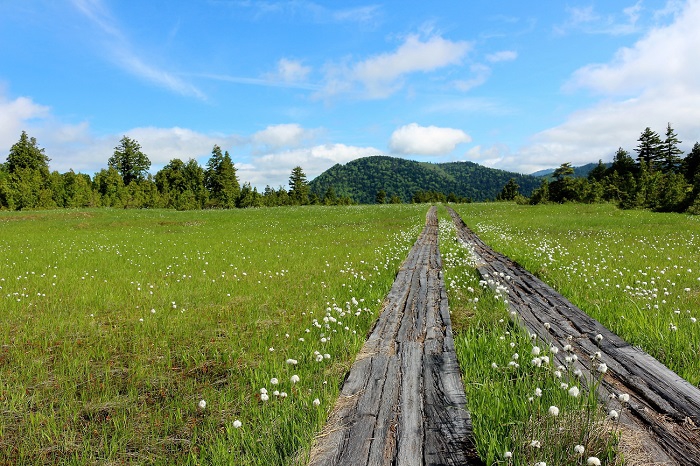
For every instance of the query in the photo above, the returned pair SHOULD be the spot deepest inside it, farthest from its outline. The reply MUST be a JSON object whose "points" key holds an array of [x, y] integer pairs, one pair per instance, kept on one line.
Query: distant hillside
{"points": [[579, 172], [360, 179]]}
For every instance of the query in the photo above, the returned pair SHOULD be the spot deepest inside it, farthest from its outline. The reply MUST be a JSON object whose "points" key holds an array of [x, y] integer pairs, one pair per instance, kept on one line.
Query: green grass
{"points": [[116, 323], [635, 271], [511, 381]]}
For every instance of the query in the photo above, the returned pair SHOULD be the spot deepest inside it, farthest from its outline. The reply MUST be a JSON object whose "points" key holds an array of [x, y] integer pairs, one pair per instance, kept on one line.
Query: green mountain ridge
{"points": [[362, 178]]}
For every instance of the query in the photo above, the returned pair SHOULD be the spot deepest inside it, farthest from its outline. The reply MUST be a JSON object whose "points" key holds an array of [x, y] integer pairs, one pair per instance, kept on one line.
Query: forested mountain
{"points": [[363, 178]]}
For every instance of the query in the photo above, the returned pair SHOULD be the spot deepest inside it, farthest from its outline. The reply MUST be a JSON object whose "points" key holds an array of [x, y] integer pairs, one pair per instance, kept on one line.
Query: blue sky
{"points": [[508, 84]]}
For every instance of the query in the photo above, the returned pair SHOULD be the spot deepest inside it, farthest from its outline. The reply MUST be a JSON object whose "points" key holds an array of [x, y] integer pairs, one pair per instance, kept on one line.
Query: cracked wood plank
{"points": [[403, 402], [664, 409]]}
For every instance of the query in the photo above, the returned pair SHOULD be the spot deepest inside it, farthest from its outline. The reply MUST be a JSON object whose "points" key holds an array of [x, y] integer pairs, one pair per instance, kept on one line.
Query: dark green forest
{"points": [[408, 180]]}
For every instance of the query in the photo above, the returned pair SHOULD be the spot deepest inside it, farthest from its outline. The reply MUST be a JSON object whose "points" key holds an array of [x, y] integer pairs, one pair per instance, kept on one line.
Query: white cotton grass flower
{"points": [[593, 461], [613, 415], [508, 454], [264, 397], [274, 381], [202, 405], [553, 411], [602, 368], [294, 378], [535, 350], [599, 338], [316, 402], [263, 391], [574, 391], [538, 392], [237, 424], [541, 463], [292, 362], [535, 444], [579, 450], [623, 397], [283, 395]]}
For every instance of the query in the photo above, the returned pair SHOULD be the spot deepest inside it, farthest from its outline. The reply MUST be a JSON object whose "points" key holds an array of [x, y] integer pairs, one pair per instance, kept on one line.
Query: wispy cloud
{"points": [[589, 21], [122, 53], [503, 55], [311, 11], [381, 75]]}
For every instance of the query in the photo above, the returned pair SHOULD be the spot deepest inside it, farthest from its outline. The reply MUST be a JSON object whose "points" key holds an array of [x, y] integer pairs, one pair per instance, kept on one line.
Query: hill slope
{"points": [[360, 179]]}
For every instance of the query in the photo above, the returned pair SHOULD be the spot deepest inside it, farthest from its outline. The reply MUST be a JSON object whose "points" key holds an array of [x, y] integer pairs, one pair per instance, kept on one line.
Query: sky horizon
{"points": [[278, 84]]}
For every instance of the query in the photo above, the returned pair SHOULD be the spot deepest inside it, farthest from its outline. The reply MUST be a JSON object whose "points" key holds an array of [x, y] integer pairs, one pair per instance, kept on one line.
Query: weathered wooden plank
{"points": [[403, 402], [664, 409]]}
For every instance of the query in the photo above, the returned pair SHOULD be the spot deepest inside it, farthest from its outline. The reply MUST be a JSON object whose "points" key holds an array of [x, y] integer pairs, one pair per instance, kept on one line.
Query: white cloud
{"points": [[503, 55], [426, 140], [274, 168], [651, 83], [123, 54], [480, 74], [382, 75], [15, 116], [288, 135], [291, 71]]}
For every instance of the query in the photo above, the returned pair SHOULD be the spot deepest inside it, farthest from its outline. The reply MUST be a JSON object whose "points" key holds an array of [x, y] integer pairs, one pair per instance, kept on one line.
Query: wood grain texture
{"points": [[403, 402], [664, 409]]}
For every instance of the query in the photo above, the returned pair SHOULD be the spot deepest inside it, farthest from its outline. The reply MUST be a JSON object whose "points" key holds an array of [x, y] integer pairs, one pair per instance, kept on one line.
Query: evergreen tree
{"points": [[129, 161], [598, 173], [649, 149], [691, 164], [509, 191], [220, 179], [329, 197], [380, 197], [26, 154], [541, 194], [298, 187], [671, 162], [623, 163]]}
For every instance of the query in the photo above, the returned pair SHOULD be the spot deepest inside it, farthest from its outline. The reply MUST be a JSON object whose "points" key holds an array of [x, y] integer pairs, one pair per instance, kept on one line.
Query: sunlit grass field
{"points": [[163, 337], [635, 271]]}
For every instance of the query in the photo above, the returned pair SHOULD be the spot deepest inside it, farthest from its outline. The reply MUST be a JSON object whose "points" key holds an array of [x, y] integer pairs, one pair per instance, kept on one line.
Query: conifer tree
{"points": [[671, 161], [298, 187], [649, 149]]}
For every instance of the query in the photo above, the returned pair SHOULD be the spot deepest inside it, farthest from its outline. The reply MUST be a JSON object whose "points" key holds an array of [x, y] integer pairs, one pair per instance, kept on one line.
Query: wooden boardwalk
{"points": [[403, 402], [664, 409]]}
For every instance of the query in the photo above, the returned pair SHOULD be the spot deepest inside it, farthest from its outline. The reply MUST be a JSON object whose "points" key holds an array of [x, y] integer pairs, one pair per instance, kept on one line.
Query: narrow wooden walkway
{"points": [[403, 402], [664, 409]]}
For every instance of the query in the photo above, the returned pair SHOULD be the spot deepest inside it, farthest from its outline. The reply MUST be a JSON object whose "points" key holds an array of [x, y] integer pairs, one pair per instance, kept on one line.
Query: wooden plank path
{"points": [[403, 402], [664, 409]]}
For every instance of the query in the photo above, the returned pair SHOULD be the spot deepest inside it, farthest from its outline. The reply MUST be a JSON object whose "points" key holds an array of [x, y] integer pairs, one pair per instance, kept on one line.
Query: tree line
{"points": [[658, 178], [27, 183]]}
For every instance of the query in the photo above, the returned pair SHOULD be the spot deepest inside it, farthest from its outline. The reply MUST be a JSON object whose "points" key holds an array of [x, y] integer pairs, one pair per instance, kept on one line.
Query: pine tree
{"points": [[691, 163], [671, 162], [298, 187], [649, 149]]}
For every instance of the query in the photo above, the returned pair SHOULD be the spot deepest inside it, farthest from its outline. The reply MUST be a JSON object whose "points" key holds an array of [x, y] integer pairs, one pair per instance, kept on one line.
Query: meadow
{"points": [[223, 337], [635, 271], [164, 337]]}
